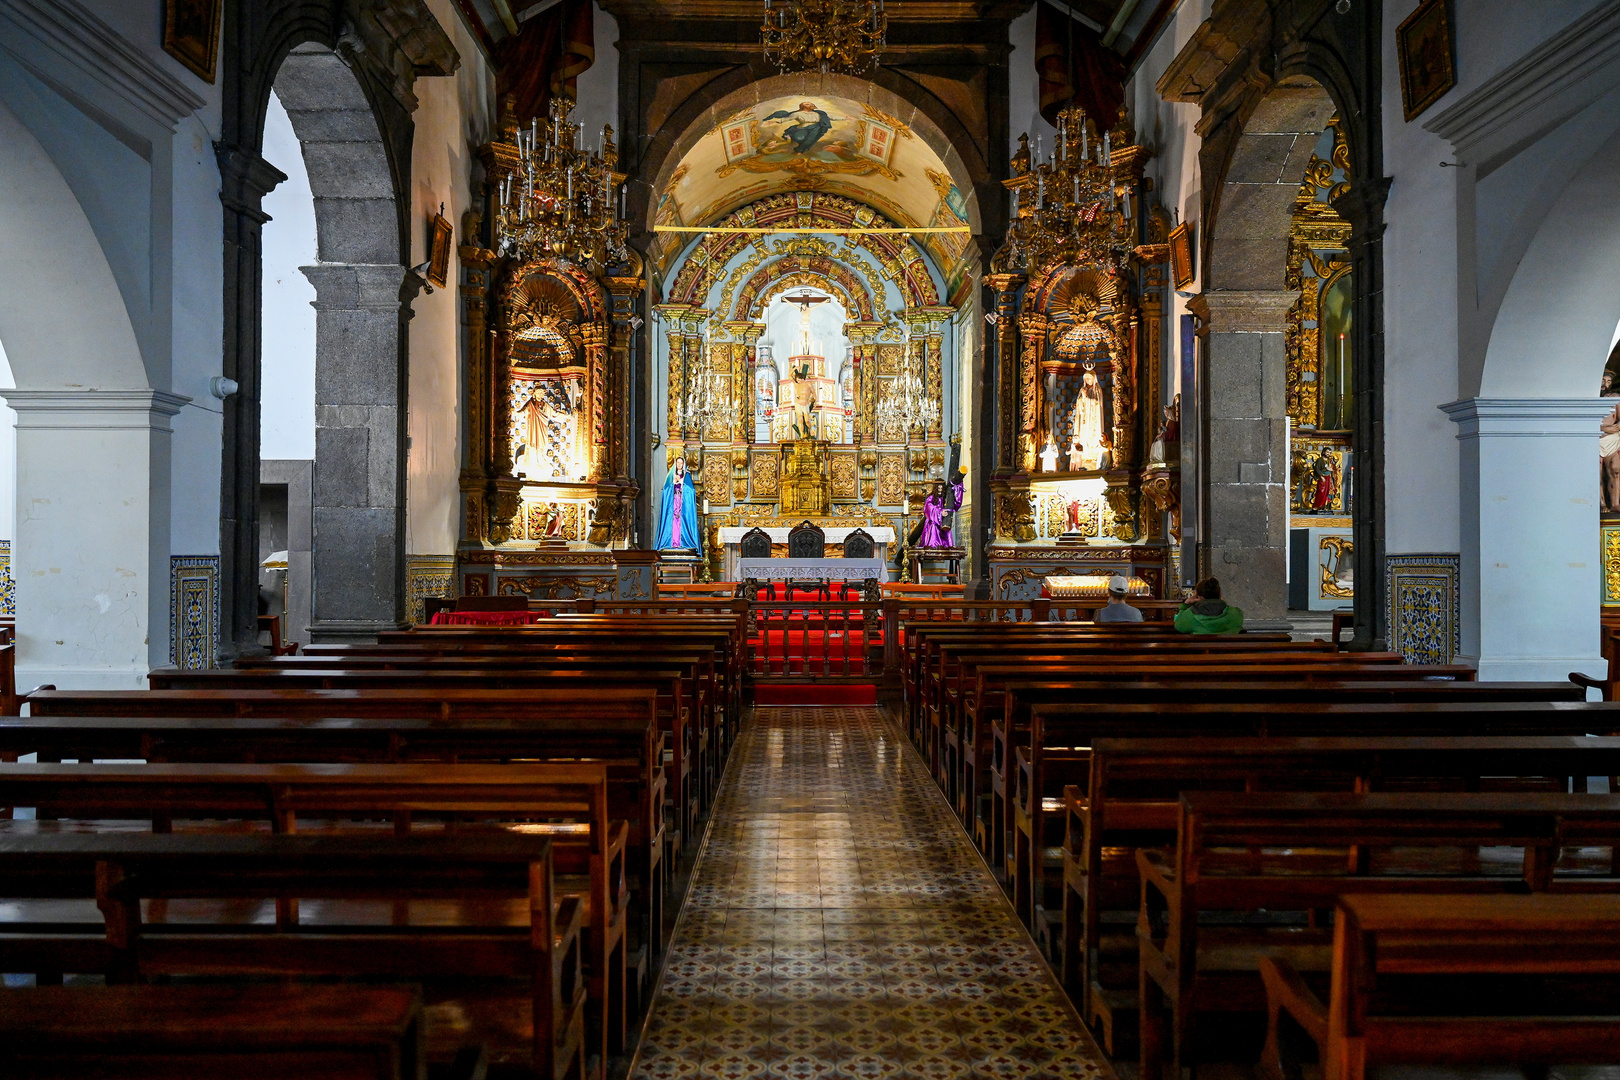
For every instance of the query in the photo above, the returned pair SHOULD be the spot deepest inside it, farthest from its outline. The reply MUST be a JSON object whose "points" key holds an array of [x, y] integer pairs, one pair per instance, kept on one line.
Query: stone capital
{"points": [[360, 286], [1528, 417], [1234, 311]]}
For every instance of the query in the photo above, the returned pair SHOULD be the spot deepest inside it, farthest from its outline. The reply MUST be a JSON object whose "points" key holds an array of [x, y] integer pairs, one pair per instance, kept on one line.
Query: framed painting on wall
{"points": [[191, 34], [1427, 56], [439, 235], [1181, 256]]}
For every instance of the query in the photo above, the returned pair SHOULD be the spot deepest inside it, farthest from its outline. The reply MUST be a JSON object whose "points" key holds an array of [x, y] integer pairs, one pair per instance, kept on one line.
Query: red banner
{"points": [[546, 57], [1074, 66]]}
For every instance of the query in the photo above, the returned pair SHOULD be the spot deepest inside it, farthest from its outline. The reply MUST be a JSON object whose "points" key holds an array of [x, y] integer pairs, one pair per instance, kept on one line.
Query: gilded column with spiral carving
{"points": [[935, 367], [675, 347], [1032, 331], [1006, 287], [594, 336]]}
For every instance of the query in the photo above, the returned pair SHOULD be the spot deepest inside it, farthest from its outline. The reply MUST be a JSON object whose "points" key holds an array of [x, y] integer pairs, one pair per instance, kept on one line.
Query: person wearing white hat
{"points": [[1118, 610]]}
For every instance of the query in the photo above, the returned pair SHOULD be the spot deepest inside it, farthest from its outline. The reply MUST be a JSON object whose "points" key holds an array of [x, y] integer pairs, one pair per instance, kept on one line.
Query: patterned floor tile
{"points": [[840, 926]]}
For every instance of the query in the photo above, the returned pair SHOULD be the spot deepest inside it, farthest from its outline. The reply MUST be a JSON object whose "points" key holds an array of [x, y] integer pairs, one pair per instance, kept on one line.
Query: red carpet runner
{"points": [[848, 695]]}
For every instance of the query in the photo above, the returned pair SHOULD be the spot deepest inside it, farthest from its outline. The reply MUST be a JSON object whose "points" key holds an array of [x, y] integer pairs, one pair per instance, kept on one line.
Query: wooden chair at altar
{"points": [[806, 541], [859, 545], [755, 544]]}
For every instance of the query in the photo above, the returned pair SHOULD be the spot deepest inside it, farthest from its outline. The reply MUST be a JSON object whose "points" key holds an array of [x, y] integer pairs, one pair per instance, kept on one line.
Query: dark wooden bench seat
{"points": [[954, 685], [208, 1032], [1237, 855], [1134, 800], [689, 739], [542, 797], [1406, 979], [1021, 689], [474, 917]]}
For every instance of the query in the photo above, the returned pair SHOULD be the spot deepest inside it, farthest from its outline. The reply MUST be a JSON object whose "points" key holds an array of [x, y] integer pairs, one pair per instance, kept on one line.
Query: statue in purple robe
{"points": [[934, 533]]}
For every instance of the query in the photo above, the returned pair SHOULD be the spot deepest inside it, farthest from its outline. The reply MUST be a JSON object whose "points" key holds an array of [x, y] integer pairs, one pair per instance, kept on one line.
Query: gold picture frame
{"points": [[439, 235], [1182, 272], [1427, 56], [191, 34]]}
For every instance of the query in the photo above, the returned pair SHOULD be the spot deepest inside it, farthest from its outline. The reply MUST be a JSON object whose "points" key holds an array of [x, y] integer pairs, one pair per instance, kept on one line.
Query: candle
{"points": [[1085, 142], [1108, 153]]}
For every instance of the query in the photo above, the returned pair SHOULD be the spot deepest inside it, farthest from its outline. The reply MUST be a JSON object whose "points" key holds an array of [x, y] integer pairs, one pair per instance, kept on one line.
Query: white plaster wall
{"points": [[597, 88], [1420, 338], [1166, 128], [8, 457], [1023, 87], [454, 115], [287, 371]]}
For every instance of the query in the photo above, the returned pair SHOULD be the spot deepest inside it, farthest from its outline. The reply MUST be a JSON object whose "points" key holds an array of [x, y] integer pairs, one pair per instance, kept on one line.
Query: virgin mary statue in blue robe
{"points": [[677, 512]]}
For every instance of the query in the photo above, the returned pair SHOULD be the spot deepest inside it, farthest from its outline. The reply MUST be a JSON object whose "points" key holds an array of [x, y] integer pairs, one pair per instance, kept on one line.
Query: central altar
{"points": [[806, 479], [730, 539]]}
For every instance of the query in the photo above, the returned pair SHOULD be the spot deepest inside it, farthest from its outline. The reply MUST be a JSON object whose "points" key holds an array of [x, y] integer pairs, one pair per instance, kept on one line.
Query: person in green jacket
{"points": [[1204, 612]]}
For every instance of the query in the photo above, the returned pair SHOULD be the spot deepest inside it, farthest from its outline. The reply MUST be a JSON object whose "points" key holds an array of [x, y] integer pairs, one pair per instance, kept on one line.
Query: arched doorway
{"points": [[92, 438], [1281, 356], [803, 193]]}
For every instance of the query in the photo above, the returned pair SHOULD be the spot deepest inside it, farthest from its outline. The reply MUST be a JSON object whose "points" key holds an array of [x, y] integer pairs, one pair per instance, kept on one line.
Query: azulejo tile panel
{"points": [[425, 576], [840, 925], [193, 610], [1425, 606], [8, 584]]}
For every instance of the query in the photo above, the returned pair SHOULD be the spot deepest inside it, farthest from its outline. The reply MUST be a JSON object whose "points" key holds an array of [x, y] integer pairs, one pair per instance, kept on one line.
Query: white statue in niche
{"points": [[1088, 420]]}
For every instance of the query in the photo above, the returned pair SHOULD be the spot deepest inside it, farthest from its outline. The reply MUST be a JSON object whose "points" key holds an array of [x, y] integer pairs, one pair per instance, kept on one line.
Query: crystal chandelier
{"points": [[905, 403], [1074, 206], [708, 398], [824, 35], [556, 199]]}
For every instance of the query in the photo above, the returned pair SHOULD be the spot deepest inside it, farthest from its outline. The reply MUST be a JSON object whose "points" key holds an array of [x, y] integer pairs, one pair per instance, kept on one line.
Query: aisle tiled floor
{"points": [[840, 925]]}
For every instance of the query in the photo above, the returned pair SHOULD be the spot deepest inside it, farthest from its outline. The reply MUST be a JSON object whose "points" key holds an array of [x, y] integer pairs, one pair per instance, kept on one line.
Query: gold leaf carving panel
{"points": [[766, 474], [717, 479], [843, 476], [891, 475]]}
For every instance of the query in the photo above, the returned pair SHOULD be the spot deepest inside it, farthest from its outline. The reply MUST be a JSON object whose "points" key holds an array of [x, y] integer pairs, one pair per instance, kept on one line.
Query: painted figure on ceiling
{"points": [[677, 511], [809, 126]]}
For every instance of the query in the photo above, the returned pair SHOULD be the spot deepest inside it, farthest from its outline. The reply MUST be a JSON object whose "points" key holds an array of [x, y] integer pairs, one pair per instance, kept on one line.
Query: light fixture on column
{"points": [[554, 198], [1074, 206], [824, 35]]}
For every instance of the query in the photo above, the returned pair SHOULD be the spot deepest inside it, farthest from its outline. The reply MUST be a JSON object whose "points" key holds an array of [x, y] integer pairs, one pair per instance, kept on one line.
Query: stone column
{"points": [[1531, 563], [359, 528], [91, 550], [1247, 485]]}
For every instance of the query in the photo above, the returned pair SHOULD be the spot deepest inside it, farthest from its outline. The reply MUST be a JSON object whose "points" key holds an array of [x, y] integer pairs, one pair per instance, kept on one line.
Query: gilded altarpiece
{"points": [[712, 322], [1078, 348], [1318, 340], [545, 490]]}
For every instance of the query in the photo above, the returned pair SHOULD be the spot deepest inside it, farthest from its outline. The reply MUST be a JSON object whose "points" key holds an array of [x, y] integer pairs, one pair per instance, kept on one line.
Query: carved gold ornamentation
{"points": [[1611, 564], [891, 479], [843, 476], [1121, 502], [546, 587], [765, 473], [1163, 491], [1335, 551], [717, 479]]}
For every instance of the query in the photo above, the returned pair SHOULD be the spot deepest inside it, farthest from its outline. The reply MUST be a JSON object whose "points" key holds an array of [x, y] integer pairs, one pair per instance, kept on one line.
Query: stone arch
{"points": [[362, 296], [1552, 332], [384, 51], [64, 320], [1244, 537]]}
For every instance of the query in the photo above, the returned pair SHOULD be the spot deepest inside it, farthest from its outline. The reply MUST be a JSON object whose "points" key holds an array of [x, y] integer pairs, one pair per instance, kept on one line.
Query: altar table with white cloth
{"points": [[812, 570], [731, 540]]}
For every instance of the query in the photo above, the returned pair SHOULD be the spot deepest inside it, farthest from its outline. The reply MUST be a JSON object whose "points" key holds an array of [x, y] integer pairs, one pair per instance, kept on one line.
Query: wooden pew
{"points": [[1239, 854], [1304, 673], [689, 740], [1561, 952], [1133, 800], [280, 794], [1058, 753], [1020, 689], [621, 742], [207, 1032], [451, 911]]}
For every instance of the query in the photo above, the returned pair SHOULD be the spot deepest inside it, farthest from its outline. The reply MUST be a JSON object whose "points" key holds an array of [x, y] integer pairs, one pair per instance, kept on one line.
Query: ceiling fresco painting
{"points": [[831, 144]]}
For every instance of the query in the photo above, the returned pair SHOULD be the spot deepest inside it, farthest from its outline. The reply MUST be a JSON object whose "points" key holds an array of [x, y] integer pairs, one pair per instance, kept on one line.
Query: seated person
{"points": [[1204, 612], [1118, 610]]}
